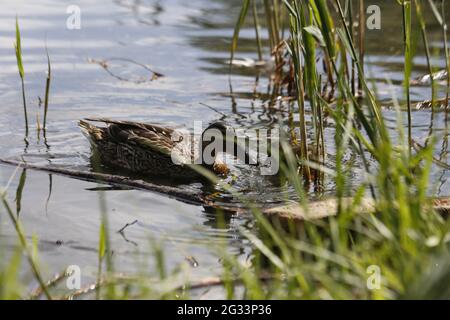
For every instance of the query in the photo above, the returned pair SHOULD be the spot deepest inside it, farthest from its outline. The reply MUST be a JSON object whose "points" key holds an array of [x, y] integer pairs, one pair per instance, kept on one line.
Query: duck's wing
{"points": [[146, 126], [147, 136]]}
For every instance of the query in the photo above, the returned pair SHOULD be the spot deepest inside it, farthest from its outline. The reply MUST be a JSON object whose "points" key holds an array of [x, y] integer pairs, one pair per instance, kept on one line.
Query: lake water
{"points": [[188, 42]]}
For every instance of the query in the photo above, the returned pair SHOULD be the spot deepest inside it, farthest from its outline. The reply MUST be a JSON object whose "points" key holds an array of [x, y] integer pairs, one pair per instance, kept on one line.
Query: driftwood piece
{"points": [[440, 104], [317, 209], [328, 208]]}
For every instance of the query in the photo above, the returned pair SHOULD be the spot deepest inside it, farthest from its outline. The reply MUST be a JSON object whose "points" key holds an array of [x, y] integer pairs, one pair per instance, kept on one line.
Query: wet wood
{"points": [[293, 211], [317, 209], [426, 79], [116, 180], [178, 193], [440, 104], [328, 208]]}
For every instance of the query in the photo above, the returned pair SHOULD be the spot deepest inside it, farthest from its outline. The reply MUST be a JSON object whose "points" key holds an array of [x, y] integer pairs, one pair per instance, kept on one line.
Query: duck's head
{"points": [[218, 135]]}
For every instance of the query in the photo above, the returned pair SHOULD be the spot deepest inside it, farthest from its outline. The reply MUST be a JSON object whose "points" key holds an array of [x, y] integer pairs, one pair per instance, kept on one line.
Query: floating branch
{"points": [[121, 181], [294, 211], [178, 193], [106, 66]]}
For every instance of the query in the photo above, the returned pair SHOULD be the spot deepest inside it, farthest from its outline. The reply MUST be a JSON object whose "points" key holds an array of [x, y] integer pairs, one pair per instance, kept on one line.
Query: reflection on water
{"points": [[145, 12], [188, 43]]}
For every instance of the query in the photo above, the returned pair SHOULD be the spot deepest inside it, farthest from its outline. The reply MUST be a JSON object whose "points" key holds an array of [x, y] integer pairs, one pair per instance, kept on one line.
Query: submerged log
{"points": [[426, 79], [293, 211], [116, 180], [317, 209], [329, 207], [178, 193], [440, 104]]}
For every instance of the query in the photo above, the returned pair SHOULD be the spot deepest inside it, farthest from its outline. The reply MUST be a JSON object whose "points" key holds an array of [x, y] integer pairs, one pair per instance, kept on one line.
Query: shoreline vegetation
{"points": [[318, 48]]}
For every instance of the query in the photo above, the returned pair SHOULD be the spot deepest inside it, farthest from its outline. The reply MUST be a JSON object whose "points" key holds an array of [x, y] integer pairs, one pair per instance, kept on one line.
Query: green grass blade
{"points": [[327, 26], [19, 191], [237, 28], [257, 30], [406, 12], [47, 89], [18, 47]]}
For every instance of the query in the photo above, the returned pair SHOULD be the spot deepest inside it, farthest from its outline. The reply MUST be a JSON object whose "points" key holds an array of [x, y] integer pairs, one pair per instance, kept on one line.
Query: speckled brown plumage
{"points": [[138, 147]]}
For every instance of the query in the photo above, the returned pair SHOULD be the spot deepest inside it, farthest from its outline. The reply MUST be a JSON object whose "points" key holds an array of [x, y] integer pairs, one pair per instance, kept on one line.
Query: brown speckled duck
{"points": [[147, 148]]}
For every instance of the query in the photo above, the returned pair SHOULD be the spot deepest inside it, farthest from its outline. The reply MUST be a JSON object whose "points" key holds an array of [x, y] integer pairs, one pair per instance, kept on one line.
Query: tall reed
{"points": [[257, 30], [237, 29], [297, 57], [47, 90], [362, 37], [447, 55], [406, 12], [423, 31], [18, 49]]}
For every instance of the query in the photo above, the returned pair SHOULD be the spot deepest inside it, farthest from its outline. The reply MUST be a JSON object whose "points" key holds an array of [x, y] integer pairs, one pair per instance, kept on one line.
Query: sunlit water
{"points": [[187, 42]]}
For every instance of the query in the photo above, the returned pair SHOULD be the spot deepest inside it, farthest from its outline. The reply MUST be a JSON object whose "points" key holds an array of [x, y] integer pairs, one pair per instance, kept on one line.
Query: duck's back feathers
{"points": [[140, 147], [147, 136]]}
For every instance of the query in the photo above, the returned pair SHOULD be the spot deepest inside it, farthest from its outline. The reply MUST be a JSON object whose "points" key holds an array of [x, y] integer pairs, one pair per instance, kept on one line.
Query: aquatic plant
{"points": [[18, 49], [47, 89], [406, 10], [333, 258]]}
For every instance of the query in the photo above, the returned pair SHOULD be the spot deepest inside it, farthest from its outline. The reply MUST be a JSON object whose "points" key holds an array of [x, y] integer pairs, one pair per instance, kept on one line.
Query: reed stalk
{"points": [[362, 39], [257, 30], [18, 49], [447, 96], [423, 30], [237, 29], [447, 56], [47, 90], [441, 18], [352, 75], [273, 28], [406, 13], [296, 53]]}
